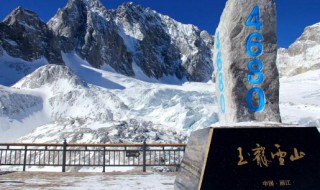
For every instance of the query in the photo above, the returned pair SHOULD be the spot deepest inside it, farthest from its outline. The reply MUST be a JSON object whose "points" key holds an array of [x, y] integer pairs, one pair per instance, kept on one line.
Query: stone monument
{"points": [[267, 154], [247, 79]]}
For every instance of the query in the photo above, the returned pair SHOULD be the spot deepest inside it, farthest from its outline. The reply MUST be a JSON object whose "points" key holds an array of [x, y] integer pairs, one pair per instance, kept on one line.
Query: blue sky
{"points": [[293, 15]]}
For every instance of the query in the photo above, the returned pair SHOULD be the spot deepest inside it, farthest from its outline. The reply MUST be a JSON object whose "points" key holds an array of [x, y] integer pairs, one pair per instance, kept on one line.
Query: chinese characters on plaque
{"points": [[264, 157], [275, 158], [274, 183]]}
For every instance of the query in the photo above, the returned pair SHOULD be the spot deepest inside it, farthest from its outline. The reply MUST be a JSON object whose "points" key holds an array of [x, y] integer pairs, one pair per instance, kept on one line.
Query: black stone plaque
{"points": [[282, 158]]}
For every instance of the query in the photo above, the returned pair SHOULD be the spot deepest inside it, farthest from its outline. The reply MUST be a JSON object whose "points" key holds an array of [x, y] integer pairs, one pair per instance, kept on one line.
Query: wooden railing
{"points": [[90, 155]]}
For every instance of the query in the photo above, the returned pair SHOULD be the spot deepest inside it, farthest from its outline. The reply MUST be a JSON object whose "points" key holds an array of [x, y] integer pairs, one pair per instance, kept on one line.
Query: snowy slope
{"points": [[20, 112], [300, 99], [84, 104], [13, 69], [150, 100], [95, 99]]}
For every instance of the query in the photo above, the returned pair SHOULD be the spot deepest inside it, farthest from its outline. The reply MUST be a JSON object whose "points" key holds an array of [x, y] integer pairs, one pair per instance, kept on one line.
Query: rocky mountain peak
{"points": [[73, 14], [48, 75], [162, 44], [21, 14], [24, 35], [23, 18], [311, 33], [130, 7], [84, 26], [303, 55], [136, 14], [87, 5], [309, 38], [129, 39]]}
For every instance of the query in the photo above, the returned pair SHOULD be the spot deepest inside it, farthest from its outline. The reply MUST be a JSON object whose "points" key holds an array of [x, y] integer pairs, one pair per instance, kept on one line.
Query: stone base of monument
{"points": [[274, 156]]}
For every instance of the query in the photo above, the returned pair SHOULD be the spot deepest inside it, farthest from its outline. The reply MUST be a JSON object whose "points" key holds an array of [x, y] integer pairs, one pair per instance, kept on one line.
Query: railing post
{"points": [[64, 154], [25, 158], [104, 159], [144, 156]]}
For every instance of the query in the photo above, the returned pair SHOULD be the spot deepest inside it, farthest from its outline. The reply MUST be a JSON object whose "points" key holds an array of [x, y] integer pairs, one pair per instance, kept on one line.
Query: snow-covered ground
{"points": [[12, 69], [300, 99], [84, 104], [87, 181]]}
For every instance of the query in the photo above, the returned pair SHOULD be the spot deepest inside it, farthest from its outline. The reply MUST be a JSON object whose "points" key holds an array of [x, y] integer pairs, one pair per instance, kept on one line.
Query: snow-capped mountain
{"points": [[303, 55], [161, 44], [85, 26], [130, 40], [109, 80], [132, 36], [24, 35], [26, 44]]}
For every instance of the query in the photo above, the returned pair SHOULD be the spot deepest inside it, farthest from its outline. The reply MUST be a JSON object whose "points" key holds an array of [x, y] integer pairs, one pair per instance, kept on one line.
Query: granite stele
{"points": [[247, 79]]}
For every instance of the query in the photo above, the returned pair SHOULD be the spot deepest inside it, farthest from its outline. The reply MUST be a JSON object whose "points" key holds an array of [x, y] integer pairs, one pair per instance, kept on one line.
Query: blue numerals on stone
{"points": [[254, 48], [222, 103], [254, 45], [254, 18], [259, 92], [220, 75], [255, 76]]}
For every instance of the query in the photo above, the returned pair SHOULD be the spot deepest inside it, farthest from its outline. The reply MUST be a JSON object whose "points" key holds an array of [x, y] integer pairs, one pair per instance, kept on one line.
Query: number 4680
{"points": [[255, 49]]}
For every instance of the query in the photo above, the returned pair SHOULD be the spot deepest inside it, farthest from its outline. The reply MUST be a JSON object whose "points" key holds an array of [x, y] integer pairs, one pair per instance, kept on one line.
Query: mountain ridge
{"points": [[20, 33], [303, 55], [101, 37]]}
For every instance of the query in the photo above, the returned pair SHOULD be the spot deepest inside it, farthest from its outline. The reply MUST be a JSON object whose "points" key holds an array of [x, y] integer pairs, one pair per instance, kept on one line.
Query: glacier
{"points": [[83, 104]]}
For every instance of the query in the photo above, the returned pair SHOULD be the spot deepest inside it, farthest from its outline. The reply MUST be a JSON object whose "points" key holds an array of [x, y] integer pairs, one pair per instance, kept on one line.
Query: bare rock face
{"points": [[245, 57], [25, 36], [129, 39], [85, 27], [162, 46], [131, 34]]}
